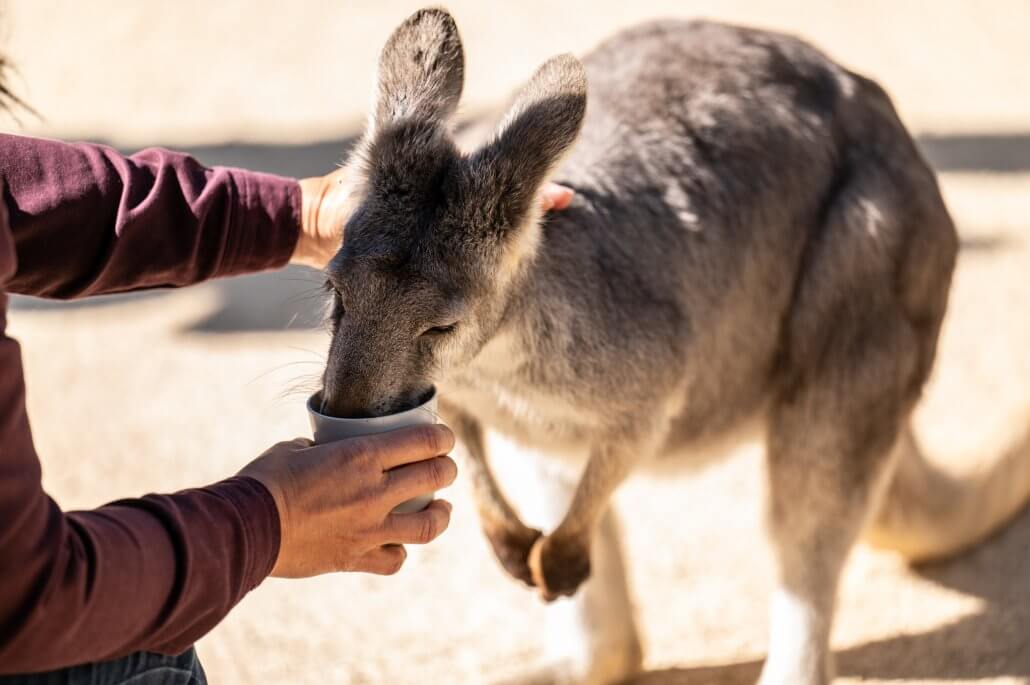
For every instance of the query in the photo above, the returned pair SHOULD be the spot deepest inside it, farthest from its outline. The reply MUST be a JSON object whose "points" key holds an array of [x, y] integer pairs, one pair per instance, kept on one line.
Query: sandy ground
{"points": [[200, 71], [164, 391]]}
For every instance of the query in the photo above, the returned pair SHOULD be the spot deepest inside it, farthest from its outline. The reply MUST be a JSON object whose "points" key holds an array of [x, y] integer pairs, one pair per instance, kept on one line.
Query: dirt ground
{"points": [[167, 390]]}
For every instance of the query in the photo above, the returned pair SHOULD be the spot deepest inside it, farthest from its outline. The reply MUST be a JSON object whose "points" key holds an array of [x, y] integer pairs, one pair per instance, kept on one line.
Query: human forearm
{"points": [[153, 573], [87, 220]]}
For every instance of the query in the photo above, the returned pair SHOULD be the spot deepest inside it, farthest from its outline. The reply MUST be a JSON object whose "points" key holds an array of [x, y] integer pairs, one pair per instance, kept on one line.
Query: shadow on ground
{"points": [[977, 153], [289, 299], [996, 639]]}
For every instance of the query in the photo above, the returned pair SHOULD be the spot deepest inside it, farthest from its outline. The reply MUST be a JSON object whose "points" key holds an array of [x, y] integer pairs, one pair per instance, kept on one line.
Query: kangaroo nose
{"points": [[348, 398], [346, 407]]}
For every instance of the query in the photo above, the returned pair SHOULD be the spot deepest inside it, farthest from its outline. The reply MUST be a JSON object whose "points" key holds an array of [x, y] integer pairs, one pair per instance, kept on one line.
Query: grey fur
{"points": [[755, 242]]}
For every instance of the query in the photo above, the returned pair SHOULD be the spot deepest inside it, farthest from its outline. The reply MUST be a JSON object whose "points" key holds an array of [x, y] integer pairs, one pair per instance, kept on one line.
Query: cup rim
{"points": [[366, 419]]}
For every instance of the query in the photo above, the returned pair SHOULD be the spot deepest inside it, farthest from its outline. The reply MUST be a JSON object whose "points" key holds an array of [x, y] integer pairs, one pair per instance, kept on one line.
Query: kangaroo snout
{"points": [[351, 395], [359, 383]]}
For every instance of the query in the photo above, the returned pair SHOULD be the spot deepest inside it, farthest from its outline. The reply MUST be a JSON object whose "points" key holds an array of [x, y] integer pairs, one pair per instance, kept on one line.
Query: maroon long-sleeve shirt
{"points": [[154, 573]]}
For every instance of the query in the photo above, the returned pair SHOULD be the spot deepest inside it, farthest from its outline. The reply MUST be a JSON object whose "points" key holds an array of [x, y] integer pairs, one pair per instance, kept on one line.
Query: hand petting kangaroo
{"points": [[756, 248]]}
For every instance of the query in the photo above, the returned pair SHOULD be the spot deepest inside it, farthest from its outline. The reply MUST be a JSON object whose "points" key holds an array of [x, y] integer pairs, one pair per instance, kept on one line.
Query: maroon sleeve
{"points": [[87, 220], [158, 572]]}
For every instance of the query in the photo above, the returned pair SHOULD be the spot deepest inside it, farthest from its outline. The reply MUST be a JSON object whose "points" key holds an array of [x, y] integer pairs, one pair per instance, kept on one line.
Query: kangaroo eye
{"points": [[440, 330], [338, 309]]}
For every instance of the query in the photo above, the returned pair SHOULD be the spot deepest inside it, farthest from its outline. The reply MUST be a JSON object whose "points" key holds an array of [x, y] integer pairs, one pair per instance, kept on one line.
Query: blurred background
{"points": [[161, 391]]}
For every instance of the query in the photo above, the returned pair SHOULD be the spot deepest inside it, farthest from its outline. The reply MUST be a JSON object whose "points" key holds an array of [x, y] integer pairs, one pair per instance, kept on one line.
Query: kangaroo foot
{"points": [[559, 565]]}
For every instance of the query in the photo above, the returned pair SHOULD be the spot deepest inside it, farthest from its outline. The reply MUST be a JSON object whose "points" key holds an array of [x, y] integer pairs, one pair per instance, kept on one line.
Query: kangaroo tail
{"points": [[928, 513]]}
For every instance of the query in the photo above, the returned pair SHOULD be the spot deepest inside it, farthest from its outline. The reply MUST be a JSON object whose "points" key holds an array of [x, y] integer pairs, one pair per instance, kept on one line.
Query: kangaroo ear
{"points": [[540, 127], [421, 70]]}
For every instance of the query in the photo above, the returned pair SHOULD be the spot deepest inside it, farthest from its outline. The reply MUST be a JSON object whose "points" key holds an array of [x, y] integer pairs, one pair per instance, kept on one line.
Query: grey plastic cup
{"points": [[332, 428]]}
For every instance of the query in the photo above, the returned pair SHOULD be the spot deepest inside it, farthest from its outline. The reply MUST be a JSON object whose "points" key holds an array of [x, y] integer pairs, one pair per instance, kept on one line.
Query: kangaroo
{"points": [[756, 248]]}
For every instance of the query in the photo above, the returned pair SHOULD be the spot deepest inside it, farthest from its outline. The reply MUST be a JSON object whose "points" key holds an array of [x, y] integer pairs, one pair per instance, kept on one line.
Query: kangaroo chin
{"points": [[755, 244]]}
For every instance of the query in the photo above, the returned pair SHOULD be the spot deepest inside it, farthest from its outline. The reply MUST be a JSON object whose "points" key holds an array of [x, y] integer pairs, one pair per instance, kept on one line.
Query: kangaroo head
{"points": [[438, 236]]}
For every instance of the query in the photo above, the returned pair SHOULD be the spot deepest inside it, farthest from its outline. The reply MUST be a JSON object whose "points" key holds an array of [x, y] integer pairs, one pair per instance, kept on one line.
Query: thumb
{"points": [[556, 197]]}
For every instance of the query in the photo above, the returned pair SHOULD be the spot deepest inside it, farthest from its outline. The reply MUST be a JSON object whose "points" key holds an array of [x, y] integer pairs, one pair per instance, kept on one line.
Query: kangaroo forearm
{"points": [[490, 501], [605, 470]]}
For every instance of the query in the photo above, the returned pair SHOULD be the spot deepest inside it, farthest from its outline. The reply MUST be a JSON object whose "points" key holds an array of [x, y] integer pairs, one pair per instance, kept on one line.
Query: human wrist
{"points": [[263, 524], [306, 251]]}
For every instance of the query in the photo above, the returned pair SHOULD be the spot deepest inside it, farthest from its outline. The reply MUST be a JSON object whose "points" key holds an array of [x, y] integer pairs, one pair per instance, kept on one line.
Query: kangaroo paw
{"points": [[559, 566], [512, 545]]}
